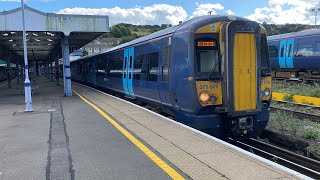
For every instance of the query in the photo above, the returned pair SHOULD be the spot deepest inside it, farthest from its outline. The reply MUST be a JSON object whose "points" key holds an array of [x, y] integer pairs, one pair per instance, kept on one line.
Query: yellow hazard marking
{"points": [[163, 165], [297, 99]]}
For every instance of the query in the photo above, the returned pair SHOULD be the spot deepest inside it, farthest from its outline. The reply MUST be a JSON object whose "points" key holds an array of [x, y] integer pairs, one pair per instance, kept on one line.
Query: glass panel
{"points": [[206, 58], [146, 67], [137, 67], [264, 52], [305, 50], [115, 68], [165, 63], [273, 51], [282, 52], [290, 50], [153, 72]]}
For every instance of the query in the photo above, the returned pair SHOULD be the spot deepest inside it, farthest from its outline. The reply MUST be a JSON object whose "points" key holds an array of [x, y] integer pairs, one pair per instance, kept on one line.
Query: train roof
{"points": [[189, 25], [201, 21], [307, 32]]}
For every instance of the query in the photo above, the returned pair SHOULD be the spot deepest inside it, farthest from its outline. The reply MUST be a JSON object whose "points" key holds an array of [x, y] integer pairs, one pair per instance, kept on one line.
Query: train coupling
{"points": [[242, 125]]}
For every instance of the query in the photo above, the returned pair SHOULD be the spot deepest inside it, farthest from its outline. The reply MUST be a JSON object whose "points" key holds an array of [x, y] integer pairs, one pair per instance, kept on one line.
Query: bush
{"points": [[311, 134]]}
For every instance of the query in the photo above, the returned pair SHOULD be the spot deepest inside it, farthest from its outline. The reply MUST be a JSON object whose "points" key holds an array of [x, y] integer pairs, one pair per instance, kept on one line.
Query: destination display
{"points": [[206, 44]]}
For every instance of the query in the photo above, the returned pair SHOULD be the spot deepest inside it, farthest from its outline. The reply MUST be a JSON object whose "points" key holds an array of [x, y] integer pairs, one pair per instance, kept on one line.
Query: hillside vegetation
{"points": [[273, 29], [129, 32]]}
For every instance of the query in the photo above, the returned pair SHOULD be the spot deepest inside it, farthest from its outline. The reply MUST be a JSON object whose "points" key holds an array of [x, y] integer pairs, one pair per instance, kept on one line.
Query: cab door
{"points": [[165, 72], [286, 53], [240, 61], [127, 72]]}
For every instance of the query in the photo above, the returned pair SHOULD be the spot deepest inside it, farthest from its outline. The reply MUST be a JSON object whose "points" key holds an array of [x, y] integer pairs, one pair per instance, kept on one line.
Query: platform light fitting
{"points": [[35, 34], [12, 32], [5, 34], [10, 40], [49, 44], [49, 40], [14, 45], [37, 40], [50, 34]]}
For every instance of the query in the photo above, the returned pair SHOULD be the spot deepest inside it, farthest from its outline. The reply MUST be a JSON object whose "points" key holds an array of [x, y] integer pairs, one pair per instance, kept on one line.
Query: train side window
{"points": [[115, 68], [305, 49], [146, 67], [273, 51], [101, 66], [165, 63], [317, 50], [153, 67], [137, 67]]}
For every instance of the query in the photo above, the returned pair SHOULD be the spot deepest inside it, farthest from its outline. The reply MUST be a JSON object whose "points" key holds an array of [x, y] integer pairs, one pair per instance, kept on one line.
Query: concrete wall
{"points": [[39, 21], [34, 21]]}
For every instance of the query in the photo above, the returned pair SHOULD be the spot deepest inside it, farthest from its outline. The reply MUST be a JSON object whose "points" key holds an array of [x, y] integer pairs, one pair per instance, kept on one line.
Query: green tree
{"points": [[85, 53], [115, 32]]}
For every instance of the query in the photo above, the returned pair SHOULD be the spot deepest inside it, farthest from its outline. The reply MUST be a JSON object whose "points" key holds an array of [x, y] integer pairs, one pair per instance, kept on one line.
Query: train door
{"points": [[241, 62], [127, 72], [286, 53], [165, 72]]}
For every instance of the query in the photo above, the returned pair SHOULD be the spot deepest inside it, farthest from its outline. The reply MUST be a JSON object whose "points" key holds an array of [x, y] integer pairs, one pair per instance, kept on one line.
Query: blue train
{"points": [[295, 55], [211, 73]]}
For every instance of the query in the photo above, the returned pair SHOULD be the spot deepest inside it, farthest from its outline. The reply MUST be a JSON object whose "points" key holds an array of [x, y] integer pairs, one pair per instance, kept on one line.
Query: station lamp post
{"points": [[27, 85], [316, 15]]}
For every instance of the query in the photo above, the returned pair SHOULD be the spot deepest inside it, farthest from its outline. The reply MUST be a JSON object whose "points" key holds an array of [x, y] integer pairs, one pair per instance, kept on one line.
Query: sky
{"points": [[152, 12]]}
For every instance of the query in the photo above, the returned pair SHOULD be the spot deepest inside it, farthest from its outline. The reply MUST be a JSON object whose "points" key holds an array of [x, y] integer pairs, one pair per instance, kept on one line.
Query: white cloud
{"points": [[11, 0], [204, 9], [19, 1], [286, 11], [155, 14], [229, 12]]}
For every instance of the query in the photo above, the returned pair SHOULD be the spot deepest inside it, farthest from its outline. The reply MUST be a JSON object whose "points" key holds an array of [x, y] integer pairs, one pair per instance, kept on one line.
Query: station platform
{"points": [[93, 135]]}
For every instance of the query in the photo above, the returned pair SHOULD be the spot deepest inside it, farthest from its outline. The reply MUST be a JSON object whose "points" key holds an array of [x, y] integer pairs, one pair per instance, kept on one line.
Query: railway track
{"points": [[299, 114], [298, 105], [299, 163], [297, 80], [289, 159]]}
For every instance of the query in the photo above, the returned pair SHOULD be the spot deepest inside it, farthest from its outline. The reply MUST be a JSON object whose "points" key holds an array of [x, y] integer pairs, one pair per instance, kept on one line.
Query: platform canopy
{"points": [[44, 33]]}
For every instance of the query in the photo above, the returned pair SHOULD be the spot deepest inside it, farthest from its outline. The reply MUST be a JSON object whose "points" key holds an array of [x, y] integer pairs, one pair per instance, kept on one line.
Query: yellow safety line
{"points": [[163, 165], [296, 98]]}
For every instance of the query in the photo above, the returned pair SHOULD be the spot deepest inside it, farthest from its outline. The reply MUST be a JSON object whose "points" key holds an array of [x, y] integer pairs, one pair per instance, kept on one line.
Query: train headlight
{"points": [[204, 97], [266, 92]]}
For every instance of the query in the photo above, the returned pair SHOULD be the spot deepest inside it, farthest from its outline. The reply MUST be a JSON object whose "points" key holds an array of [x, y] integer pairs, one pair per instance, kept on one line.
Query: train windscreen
{"points": [[206, 58]]}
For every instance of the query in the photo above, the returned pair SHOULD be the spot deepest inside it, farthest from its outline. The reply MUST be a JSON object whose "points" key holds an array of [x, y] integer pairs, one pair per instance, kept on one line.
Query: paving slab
{"points": [[65, 138], [197, 155]]}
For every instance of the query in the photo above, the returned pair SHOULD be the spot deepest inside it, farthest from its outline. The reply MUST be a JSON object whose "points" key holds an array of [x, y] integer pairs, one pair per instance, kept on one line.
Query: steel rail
{"points": [[299, 114]]}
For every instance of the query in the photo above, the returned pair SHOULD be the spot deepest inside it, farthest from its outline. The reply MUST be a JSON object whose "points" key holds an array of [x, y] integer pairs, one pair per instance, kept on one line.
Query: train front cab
{"points": [[233, 78]]}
